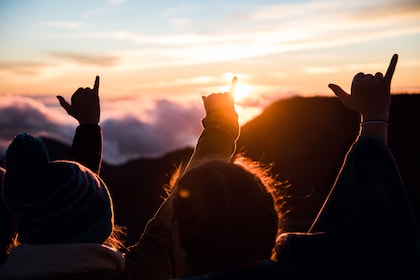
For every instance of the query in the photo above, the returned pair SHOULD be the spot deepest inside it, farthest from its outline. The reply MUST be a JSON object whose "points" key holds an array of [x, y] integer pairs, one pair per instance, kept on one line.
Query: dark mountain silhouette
{"points": [[306, 139]]}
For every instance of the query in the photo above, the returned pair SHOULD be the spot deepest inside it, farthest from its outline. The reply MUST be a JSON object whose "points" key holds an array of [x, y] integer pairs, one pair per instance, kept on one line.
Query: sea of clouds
{"points": [[131, 127]]}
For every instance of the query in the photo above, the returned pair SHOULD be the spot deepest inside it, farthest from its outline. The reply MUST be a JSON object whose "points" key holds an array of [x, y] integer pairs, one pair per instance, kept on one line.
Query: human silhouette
{"points": [[366, 227], [225, 209], [86, 148]]}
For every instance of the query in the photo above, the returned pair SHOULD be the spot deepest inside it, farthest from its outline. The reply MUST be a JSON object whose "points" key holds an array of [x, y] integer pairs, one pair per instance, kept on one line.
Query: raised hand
{"points": [[370, 94], [84, 105], [221, 128], [216, 101]]}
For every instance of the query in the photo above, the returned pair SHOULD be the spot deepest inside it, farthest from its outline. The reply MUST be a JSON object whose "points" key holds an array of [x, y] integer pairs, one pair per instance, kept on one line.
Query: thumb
{"points": [[339, 92], [66, 106]]}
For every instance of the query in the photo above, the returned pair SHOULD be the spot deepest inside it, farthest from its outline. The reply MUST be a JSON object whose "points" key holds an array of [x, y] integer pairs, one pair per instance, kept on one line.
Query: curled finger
{"points": [[77, 93]]}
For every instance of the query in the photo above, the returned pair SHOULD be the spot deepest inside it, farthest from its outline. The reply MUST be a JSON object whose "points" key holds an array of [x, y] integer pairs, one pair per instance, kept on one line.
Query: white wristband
{"points": [[381, 122]]}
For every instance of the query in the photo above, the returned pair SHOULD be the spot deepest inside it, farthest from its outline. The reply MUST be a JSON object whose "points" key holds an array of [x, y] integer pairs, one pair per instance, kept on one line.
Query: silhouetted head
{"points": [[54, 201], [223, 216]]}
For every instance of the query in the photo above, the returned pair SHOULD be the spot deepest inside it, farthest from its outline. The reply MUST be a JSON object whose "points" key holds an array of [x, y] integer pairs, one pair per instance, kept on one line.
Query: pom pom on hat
{"points": [[55, 201], [26, 151]]}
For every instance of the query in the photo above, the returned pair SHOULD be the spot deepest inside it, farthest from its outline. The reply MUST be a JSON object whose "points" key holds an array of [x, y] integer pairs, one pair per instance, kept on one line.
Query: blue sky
{"points": [[159, 54]]}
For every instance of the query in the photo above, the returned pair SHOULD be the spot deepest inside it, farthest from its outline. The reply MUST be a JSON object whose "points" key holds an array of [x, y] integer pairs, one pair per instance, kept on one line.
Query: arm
{"points": [[221, 128], [154, 256], [371, 98], [366, 225], [87, 142]]}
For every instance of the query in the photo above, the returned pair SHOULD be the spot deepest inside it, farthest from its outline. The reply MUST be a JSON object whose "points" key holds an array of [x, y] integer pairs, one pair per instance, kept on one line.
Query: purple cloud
{"points": [[169, 126]]}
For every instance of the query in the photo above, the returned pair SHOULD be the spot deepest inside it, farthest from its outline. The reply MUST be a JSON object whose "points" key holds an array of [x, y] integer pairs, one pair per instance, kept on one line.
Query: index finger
{"points": [[96, 85], [391, 68], [233, 86]]}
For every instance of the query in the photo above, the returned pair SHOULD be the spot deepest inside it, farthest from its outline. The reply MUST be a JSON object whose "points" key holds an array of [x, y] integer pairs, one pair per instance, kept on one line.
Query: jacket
{"points": [[366, 228]]}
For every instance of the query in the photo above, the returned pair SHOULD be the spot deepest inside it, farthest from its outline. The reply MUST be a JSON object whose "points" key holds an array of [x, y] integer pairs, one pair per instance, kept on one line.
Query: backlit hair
{"points": [[227, 213]]}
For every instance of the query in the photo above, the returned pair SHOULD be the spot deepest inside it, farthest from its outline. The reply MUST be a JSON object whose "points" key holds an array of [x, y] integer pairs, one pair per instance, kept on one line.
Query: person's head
{"points": [[55, 201], [224, 215]]}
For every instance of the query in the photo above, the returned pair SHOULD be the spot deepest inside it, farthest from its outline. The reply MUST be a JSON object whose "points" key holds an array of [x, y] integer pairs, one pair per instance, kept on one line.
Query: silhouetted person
{"points": [[86, 148], [64, 214], [224, 216], [225, 211], [366, 228]]}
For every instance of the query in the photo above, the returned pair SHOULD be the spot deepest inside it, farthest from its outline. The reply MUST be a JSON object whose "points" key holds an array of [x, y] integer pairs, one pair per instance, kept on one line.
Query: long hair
{"points": [[227, 213]]}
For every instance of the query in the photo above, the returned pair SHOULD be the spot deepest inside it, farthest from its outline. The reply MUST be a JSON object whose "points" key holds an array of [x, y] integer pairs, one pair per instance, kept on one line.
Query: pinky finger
{"points": [[96, 85]]}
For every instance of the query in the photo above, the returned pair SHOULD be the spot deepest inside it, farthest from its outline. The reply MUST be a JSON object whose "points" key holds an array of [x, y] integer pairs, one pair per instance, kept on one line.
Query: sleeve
{"points": [[218, 138], [87, 146], [368, 189], [366, 227], [154, 256]]}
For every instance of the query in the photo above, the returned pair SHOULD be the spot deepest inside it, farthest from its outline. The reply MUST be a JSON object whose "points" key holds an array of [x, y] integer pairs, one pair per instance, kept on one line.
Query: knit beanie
{"points": [[55, 201]]}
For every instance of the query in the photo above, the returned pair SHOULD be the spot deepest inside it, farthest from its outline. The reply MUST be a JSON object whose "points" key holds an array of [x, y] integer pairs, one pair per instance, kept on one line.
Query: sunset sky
{"points": [[157, 58]]}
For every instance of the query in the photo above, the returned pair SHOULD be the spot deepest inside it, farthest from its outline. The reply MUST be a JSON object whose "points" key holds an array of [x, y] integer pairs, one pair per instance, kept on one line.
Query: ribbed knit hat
{"points": [[55, 201]]}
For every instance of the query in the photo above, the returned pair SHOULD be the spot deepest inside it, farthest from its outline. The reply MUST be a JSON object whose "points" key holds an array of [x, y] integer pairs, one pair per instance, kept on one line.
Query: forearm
{"points": [[87, 146], [218, 138], [368, 163], [153, 257]]}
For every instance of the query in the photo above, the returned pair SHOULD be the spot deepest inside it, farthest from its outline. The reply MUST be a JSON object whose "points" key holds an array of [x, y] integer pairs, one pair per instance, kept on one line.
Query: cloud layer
{"points": [[150, 132]]}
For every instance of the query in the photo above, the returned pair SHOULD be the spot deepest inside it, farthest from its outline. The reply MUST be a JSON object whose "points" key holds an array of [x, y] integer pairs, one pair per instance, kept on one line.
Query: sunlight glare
{"points": [[242, 91]]}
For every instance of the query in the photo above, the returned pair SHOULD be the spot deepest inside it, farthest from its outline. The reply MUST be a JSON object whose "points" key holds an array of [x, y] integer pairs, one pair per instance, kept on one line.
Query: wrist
{"points": [[375, 117], [88, 123], [378, 128]]}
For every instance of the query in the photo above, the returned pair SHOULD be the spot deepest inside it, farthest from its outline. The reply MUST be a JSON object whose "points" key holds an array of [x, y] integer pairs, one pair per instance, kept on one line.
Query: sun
{"points": [[242, 91]]}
